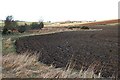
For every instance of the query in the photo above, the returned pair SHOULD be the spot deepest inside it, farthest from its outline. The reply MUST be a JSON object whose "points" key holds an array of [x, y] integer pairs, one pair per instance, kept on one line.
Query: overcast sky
{"points": [[59, 10]]}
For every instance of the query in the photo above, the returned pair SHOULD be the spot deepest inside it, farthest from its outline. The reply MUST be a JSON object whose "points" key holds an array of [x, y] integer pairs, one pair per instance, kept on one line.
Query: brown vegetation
{"points": [[26, 66]]}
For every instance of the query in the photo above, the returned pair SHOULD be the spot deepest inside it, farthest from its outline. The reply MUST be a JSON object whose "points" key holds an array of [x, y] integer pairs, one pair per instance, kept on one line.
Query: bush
{"points": [[5, 31], [10, 25], [41, 25], [36, 25], [27, 27], [22, 29], [71, 27], [84, 27]]}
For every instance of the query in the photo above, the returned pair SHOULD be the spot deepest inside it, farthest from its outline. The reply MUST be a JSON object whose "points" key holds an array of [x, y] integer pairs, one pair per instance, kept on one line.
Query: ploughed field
{"points": [[80, 49]]}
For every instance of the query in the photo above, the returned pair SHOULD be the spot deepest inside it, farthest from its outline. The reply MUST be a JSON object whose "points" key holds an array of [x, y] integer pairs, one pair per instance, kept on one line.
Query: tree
{"points": [[10, 24], [22, 28], [41, 25], [36, 25]]}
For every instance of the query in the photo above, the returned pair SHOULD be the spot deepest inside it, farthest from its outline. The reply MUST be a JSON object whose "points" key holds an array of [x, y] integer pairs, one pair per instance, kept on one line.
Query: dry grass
{"points": [[65, 24], [8, 43], [0, 66], [26, 66]]}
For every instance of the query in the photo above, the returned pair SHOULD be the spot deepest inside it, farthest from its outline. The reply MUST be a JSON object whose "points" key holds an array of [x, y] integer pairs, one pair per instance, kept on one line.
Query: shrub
{"points": [[36, 25], [22, 29], [71, 27], [41, 25], [10, 24], [5, 31], [27, 26], [84, 27]]}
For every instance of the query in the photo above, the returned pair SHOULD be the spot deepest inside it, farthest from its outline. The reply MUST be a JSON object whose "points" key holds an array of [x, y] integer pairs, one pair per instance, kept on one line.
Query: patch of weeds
{"points": [[84, 27], [8, 46], [71, 27], [34, 75]]}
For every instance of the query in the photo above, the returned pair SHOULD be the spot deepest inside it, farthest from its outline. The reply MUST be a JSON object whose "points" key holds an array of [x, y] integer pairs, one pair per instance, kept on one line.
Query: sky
{"points": [[59, 10]]}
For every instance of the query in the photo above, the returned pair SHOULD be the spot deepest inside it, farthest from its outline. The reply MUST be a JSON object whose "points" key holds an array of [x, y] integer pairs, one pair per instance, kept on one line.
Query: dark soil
{"points": [[85, 49]]}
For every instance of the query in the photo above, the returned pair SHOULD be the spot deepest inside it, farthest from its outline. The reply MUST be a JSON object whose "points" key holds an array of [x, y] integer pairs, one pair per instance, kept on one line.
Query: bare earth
{"points": [[82, 49]]}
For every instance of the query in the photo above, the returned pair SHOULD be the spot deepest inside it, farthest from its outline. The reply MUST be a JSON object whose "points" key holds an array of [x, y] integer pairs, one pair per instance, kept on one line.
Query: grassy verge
{"points": [[26, 66], [8, 42]]}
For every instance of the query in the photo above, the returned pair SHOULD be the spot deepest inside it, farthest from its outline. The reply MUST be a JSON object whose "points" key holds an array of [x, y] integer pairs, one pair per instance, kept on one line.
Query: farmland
{"points": [[59, 46], [84, 48]]}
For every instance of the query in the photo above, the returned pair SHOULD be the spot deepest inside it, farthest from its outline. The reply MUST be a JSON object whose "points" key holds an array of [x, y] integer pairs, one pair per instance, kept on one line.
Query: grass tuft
{"points": [[27, 66]]}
